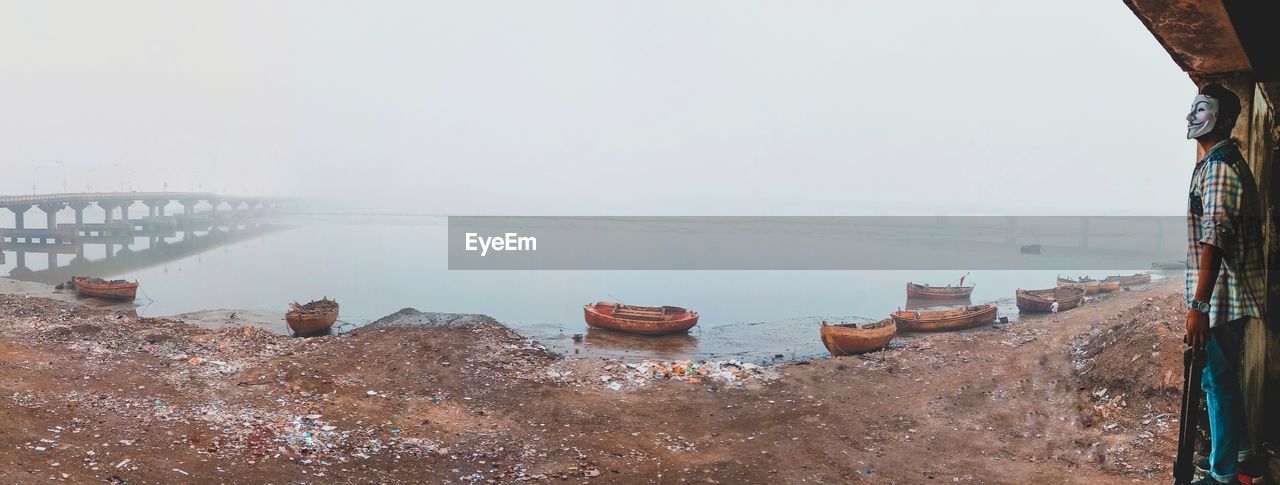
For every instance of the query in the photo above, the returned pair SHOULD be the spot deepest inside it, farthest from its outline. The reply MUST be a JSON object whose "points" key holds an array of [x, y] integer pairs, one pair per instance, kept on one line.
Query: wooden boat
{"points": [[935, 303], [314, 318], [1041, 301], [1108, 286], [1132, 280], [949, 292], [1090, 286], [942, 320], [643, 320], [850, 338], [111, 290]]}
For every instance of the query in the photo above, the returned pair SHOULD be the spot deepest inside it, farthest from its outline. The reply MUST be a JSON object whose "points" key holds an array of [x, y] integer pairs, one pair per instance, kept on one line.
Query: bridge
{"points": [[202, 213], [110, 202]]}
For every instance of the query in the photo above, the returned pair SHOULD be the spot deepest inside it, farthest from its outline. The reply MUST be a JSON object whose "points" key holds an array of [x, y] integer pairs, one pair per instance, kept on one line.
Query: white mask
{"points": [[1203, 116]]}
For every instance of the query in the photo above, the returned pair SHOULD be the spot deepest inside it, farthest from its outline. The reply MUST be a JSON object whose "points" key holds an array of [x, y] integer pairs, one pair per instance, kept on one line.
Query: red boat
{"points": [[110, 290], [643, 320], [926, 291], [944, 320], [850, 338]]}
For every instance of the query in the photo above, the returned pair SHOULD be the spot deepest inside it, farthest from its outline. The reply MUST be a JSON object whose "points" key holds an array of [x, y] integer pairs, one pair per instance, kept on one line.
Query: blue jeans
{"points": [[1221, 384]]}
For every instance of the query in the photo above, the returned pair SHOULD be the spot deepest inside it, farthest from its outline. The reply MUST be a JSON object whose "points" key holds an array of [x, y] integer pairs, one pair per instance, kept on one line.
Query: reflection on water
{"points": [[375, 266]]}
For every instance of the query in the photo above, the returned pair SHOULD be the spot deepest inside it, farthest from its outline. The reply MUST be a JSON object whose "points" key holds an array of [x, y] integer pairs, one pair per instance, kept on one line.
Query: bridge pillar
{"points": [[78, 207], [108, 208], [51, 214], [188, 206], [18, 212]]}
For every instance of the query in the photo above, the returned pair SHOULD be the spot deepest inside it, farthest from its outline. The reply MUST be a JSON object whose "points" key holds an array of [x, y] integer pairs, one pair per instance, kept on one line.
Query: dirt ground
{"points": [[94, 395]]}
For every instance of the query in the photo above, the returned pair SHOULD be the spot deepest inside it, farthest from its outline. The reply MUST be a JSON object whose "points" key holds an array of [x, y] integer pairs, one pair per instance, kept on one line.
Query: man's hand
{"points": [[1197, 329]]}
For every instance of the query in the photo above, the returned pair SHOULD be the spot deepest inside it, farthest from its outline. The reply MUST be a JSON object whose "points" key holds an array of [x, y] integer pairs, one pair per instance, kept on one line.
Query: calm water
{"points": [[374, 267]]}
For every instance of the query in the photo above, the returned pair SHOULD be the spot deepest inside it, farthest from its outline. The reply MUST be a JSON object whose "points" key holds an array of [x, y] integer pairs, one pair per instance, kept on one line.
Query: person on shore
{"points": [[1053, 308], [1224, 273]]}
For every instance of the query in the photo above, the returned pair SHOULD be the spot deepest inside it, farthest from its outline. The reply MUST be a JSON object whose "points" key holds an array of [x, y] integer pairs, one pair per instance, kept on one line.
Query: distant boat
{"points": [[850, 338], [1031, 249], [1108, 286], [943, 320], [1041, 301], [643, 320], [314, 318], [925, 291], [1132, 280], [110, 290], [1087, 284]]}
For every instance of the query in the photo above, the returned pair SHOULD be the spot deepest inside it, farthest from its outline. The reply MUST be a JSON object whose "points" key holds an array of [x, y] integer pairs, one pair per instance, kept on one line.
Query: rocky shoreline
{"points": [[101, 394]]}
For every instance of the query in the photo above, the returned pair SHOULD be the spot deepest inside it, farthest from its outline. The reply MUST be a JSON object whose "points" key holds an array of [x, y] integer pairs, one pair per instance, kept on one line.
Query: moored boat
{"points": [[107, 289], [942, 292], [850, 338], [942, 320], [1131, 280], [1041, 301], [314, 318], [643, 320], [1090, 286], [1108, 286]]}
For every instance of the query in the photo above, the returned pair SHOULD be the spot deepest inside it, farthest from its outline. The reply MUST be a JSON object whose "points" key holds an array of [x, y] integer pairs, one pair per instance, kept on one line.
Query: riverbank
{"points": [[98, 394]]}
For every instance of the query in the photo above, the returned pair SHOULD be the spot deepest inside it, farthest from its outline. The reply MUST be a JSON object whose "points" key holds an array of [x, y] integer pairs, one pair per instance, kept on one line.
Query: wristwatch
{"points": [[1200, 306]]}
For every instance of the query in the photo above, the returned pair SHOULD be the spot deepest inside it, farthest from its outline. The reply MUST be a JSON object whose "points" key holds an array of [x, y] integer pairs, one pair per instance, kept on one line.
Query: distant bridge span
{"points": [[50, 204]]}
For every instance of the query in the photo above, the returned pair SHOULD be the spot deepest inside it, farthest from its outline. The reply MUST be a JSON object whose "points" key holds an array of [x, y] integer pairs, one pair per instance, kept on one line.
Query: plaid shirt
{"points": [[1223, 211]]}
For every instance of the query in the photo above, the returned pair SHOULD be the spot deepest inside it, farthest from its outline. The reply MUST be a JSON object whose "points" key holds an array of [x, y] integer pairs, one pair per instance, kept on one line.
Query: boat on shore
{"points": [[943, 320], [1041, 301], [313, 318], [1089, 285], [938, 292], [1131, 280], [1108, 286], [120, 290], [851, 338], [935, 303], [643, 320]]}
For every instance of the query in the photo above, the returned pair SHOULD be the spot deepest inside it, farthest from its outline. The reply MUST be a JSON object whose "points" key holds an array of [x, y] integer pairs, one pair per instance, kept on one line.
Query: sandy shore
{"points": [[97, 395]]}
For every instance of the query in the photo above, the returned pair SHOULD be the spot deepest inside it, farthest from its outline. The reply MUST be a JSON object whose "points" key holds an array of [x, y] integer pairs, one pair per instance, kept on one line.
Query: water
{"points": [[376, 266]]}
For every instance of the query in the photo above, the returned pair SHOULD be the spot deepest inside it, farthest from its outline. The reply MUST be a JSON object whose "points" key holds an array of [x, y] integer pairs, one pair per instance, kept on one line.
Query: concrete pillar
{"points": [[79, 207], [51, 214], [188, 206], [108, 208], [18, 213]]}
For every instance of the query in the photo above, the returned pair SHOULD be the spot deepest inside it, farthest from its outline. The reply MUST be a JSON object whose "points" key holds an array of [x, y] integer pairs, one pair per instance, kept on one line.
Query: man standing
{"points": [[1224, 272]]}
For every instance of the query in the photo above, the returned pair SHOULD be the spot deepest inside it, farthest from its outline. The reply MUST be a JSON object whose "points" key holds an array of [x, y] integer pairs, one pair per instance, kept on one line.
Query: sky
{"points": [[601, 107]]}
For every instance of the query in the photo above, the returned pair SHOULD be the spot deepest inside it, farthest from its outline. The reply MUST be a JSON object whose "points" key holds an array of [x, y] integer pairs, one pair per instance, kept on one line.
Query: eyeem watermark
{"points": [[506, 242]]}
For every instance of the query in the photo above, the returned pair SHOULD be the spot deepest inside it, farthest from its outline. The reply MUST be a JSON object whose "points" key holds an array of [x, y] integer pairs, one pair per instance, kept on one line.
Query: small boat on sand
{"points": [[311, 319], [943, 320], [1132, 280], [106, 289], [943, 292], [1089, 285], [1108, 286], [643, 320], [850, 338], [1041, 301]]}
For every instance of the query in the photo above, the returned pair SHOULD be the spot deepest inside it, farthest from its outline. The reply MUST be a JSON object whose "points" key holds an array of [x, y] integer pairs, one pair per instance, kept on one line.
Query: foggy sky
{"points": [[597, 107]]}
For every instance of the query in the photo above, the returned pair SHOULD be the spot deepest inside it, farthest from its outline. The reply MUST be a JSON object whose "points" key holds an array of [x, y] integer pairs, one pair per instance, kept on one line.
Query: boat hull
{"points": [[600, 315], [106, 290], [944, 320], [938, 292], [1091, 287], [1041, 301], [850, 340], [310, 324]]}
